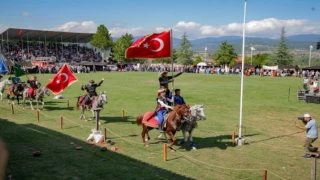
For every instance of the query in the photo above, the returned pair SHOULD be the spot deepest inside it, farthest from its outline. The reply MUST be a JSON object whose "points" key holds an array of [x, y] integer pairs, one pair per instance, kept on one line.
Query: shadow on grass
{"points": [[276, 137], [60, 160], [221, 141]]}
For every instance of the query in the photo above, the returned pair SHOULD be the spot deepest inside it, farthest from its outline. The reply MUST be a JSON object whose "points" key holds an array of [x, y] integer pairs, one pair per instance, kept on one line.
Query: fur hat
{"points": [[161, 90], [163, 72]]}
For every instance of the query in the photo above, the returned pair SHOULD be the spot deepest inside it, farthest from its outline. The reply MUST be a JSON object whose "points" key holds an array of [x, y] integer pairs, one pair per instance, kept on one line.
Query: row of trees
{"points": [[183, 55]]}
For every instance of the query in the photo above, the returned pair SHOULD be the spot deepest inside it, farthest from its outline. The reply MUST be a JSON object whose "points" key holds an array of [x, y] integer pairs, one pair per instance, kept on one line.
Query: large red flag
{"points": [[61, 80], [156, 45]]}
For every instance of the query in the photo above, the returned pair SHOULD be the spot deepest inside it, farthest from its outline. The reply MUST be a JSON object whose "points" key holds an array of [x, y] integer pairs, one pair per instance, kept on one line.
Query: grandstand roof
{"points": [[42, 35]]}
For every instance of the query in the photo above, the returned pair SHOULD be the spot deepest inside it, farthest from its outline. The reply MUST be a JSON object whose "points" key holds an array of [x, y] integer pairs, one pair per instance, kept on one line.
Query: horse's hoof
{"points": [[194, 148]]}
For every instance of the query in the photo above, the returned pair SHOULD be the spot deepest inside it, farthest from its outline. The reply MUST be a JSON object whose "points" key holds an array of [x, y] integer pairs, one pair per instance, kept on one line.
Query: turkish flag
{"points": [[61, 80], [156, 45]]}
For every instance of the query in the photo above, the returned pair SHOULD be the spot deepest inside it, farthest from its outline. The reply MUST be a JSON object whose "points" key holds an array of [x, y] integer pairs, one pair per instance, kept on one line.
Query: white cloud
{"points": [[74, 26], [26, 14]]}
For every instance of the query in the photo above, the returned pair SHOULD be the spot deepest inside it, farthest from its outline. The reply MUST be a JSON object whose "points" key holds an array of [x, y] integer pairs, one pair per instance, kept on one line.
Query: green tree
{"points": [[225, 54], [184, 54], [260, 59], [121, 46], [102, 39], [198, 60], [282, 54]]}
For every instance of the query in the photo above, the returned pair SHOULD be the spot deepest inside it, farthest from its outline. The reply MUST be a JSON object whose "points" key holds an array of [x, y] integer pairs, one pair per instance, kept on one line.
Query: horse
{"points": [[96, 103], [189, 124], [3, 86], [172, 122], [39, 96], [18, 92]]}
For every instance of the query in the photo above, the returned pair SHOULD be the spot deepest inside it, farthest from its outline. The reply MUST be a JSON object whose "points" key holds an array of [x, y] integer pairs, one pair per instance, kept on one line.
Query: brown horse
{"points": [[172, 122]]}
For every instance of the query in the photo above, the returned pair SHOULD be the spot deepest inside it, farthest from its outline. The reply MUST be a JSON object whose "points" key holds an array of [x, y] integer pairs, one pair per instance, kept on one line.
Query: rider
{"points": [[15, 82], [91, 91], [164, 80], [162, 104], [178, 99], [34, 85]]}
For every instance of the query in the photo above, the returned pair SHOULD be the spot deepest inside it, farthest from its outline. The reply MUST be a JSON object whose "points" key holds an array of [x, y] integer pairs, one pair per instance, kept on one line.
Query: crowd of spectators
{"points": [[21, 51]]}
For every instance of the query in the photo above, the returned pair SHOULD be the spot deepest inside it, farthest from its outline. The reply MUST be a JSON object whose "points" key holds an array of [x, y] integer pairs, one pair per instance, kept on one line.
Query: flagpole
{"points": [[240, 141], [171, 54]]}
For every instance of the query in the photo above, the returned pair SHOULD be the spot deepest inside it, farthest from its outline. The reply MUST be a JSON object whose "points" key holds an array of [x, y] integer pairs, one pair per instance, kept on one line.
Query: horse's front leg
{"points": [[173, 138], [82, 113], [191, 140], [184, 133], [42, 103], [31, 104]]}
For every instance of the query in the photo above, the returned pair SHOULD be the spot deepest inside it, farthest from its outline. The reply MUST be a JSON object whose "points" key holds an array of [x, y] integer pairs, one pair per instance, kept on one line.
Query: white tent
{"points": [[201, 64], [270, 67]]}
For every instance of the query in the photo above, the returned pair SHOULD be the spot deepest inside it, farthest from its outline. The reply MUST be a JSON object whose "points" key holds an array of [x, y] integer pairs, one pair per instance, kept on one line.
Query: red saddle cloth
{"points": [[150, 121], [81, 101]]}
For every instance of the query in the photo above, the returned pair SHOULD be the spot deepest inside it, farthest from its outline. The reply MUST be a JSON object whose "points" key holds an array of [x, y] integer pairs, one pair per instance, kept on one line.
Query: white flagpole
{"points": [[242, 74], [171, 56]]}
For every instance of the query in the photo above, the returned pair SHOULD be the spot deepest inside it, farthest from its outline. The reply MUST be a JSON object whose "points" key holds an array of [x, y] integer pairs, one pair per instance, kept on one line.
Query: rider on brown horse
{"points": [[161, 109], [90, 91]]}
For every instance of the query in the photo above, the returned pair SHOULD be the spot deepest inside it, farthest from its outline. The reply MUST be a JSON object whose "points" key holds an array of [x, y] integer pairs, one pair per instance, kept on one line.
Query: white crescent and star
{"points": [[66, 77], [146, 45]]}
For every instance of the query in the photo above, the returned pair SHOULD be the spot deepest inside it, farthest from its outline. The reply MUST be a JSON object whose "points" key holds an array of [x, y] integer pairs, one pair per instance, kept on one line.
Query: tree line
{"points": [[225, 55]]}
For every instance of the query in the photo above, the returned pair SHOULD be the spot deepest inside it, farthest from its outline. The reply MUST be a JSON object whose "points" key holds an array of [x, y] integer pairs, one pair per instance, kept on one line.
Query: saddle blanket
{"points": [[150, 121]]}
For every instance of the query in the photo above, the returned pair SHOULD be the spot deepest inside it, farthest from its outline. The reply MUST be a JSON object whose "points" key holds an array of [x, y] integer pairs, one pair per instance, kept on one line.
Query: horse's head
{"points": [[184, 111], [7, 82], [103, 99], [198, 110], [46, 91]]}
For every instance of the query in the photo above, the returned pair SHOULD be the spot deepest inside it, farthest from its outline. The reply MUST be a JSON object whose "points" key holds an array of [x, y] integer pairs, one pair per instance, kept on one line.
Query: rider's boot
{"points": [[161, 131]]}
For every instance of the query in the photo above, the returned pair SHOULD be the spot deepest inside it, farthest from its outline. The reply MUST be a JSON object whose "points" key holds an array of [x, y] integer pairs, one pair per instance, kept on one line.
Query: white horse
{"points": [[97, 103], [3, 85], [39, 96], [197, 111]]}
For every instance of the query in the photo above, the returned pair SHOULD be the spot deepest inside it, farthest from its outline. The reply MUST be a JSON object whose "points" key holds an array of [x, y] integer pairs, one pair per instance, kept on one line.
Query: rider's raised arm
{"points": [[176, 75], [99, 84]]}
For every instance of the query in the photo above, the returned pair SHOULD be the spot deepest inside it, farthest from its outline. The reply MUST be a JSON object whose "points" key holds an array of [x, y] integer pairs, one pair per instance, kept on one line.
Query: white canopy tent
{"points": [[270, 67], [201, 64]]}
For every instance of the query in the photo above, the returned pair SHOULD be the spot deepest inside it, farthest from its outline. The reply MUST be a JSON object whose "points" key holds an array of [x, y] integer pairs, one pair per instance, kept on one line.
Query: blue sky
{"points": [[202, 18]]}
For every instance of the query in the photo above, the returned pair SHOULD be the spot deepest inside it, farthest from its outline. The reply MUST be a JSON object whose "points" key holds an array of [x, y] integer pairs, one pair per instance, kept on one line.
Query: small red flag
{"points": [[156, 45], [20, 32], [61, 80]]}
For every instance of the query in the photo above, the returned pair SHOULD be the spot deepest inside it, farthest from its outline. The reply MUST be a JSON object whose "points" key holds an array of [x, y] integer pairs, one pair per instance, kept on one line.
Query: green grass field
{"points": [[273, 142]]}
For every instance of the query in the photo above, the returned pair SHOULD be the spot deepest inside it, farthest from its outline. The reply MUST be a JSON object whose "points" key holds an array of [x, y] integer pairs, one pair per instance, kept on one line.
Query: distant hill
{"points": [[301, 42]]}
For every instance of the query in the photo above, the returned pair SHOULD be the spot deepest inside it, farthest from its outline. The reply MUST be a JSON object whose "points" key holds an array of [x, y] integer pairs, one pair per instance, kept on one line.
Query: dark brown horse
{"points": [[172, 122], [16, 91]]}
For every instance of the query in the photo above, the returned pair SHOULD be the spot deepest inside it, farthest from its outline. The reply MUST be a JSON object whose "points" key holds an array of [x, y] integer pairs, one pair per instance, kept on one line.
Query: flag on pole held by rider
{"points": [[61, 80], [156, 45], [17, 70], [3, 67]]}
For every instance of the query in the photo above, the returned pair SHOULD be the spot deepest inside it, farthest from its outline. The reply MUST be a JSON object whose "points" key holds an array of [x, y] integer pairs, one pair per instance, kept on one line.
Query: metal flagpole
{"points": [[28, 45], [240, 140], [171, 54], [45, 44]]}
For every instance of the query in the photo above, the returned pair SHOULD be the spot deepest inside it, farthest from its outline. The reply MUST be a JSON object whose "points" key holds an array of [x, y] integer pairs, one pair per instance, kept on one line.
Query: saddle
{"points": [[81, 101], [151, 119]]}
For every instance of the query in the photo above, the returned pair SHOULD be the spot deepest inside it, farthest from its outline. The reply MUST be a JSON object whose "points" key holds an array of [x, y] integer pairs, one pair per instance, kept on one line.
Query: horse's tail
{"points": [[77, 104], [139, 119]]}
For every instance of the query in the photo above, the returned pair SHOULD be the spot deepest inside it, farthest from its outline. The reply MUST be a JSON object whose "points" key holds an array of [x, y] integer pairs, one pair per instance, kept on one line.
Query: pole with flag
{"points": [[240, 141], [171, 54]]}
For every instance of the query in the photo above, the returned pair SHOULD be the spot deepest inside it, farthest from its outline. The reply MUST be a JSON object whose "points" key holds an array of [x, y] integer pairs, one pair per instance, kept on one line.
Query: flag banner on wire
{"points": [[61, 80], [156, 45], [3, 67], [17, 70]]}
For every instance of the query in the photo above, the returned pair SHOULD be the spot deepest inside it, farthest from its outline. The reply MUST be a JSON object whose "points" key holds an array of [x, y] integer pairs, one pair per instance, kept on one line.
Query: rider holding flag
{"points": [[91, 91], [164, 80]]}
